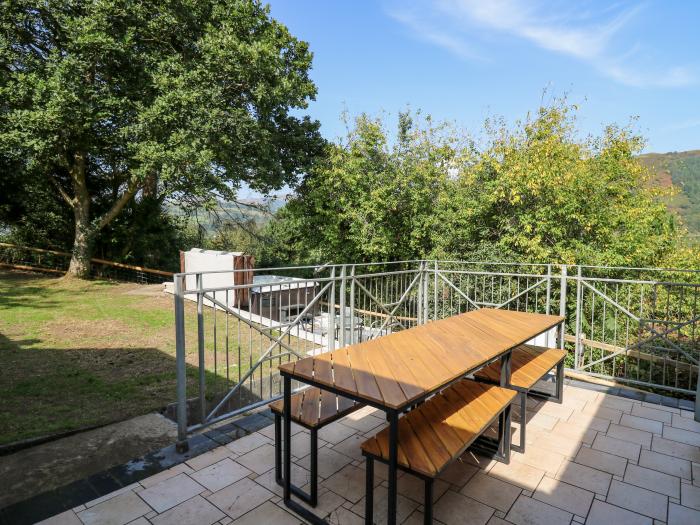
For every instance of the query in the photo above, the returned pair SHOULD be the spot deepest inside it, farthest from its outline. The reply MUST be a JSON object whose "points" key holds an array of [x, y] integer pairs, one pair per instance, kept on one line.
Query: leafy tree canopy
{"points": [[531, 192], [112, 101]]}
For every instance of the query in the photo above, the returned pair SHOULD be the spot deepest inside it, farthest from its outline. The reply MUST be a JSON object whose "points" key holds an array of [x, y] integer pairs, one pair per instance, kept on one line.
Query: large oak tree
{"points": [[119, 99]]}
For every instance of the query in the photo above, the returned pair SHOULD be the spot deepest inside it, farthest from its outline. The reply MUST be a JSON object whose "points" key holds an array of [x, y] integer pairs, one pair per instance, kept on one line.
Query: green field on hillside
{"points": [[682, 170]]}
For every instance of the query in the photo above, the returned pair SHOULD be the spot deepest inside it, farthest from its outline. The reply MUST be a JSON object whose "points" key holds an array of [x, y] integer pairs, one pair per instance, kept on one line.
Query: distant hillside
{"points": [[258, 210], [682, 170]]}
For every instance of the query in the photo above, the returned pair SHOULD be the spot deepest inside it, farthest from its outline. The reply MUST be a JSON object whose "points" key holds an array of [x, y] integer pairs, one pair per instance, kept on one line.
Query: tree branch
{"points": [[62, 192], [118, 205]]}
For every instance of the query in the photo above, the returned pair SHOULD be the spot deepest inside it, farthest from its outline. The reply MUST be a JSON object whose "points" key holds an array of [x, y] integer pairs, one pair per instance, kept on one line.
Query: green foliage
{"points": [[531, 192], [370, 200], [113, 100]]}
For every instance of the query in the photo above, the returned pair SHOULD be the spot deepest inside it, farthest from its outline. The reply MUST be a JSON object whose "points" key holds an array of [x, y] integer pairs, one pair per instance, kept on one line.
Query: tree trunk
{"points": [[82, 244], [87, 229]]}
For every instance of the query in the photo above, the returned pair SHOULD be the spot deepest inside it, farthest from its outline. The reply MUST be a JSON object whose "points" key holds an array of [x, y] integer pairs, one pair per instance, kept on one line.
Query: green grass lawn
{"points": [[80, 353]]}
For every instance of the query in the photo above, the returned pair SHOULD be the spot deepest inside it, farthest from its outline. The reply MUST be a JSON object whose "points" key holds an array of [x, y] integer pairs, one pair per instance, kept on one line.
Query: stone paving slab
{"points": [[595, 459]]}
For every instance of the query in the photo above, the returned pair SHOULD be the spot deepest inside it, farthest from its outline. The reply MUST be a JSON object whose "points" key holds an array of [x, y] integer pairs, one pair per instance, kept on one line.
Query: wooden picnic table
{"points": [[394, 372]]}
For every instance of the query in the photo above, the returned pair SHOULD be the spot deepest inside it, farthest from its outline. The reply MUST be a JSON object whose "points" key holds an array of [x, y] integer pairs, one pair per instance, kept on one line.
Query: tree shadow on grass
{"points": [[53, 390]]}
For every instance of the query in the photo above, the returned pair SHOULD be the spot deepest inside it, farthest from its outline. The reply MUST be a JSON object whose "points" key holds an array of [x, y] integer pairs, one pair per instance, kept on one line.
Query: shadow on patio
{"points": [[597, 458]]}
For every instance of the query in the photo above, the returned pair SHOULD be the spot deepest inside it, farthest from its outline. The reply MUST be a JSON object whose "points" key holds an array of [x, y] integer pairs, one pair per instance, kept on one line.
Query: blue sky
{"points": [[465, 60]]}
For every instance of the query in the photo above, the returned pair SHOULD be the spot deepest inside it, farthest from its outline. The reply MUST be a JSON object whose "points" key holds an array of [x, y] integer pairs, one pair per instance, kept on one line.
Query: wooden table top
{"points": [[395, 370]]}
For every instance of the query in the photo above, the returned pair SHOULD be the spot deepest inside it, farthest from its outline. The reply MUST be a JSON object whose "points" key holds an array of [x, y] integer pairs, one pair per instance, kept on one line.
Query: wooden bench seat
{"points": [[529, 364], [312, 408], [438, 431]]}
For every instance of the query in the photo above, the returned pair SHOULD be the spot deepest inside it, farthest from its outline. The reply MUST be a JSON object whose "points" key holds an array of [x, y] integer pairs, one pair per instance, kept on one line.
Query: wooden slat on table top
{"points": [[396, 369]]}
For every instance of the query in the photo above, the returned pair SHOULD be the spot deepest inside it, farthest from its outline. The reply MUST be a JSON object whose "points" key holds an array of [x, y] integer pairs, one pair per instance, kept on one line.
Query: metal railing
{"points": [[632, 325]]}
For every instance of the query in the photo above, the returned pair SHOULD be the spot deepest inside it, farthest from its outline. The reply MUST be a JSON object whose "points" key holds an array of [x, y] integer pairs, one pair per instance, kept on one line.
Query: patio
{"points": [[597, 458]]}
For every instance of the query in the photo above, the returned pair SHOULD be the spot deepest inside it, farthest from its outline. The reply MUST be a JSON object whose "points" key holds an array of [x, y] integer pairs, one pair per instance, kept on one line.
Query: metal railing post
{"points": [[353, 338], [562, 304], [200, 350], [343, 286], [549, 288], [419, 308], [577, 342], [331, 313], [178, 289], [435, 291]]}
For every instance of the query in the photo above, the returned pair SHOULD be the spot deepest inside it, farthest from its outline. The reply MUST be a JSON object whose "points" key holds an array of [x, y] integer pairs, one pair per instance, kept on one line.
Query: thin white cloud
{"points": [[563, 28], [681, 126], [427, 32]]}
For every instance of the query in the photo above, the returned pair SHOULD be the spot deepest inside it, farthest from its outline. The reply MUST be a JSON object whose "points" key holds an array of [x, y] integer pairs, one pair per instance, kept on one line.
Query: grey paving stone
{"points": [[666, 464], [217, 476], [605, 514], [491, 491], [329, 461], [679, 515], [459, 473], [456, 509], [630, 435], [335, 432], [653, 480], [642, 423], [343, 516], [685, 423], [618, 447], [259, 460], [268, 513], [247, 443], [404, 507], [682, 436], [652, 413], [597, 410], [115, 511], [690, 496], [168, 493], [240, 497], [348, 481], [519, 474], [564, 496], [676, 449], [527, 511], [639, 500], [585, 477], [209, 458], [414, 488], [540, 458], [194, 511], [597, 459], [350, 446]]}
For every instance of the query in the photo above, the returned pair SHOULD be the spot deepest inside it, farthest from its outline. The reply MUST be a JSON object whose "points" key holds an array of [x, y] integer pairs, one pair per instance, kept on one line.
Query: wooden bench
{"points": [[529, 364], [312, 408], [438, 432]]}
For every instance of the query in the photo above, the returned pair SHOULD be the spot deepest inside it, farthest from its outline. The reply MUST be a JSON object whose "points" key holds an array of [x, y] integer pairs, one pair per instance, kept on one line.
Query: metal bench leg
{"points": [[559, 398], [505, 435], [369, 491], [523, 423], [314, 467], [278, 449], [428, 514]]}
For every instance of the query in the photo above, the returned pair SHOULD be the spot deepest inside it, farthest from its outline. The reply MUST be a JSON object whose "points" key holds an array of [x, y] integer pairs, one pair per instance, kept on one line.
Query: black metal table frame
{"points": [[393, 419]]}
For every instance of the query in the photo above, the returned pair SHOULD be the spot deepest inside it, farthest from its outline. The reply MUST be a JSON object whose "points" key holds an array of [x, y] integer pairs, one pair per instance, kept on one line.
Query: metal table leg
{"points": [[393, 461], [287, 438]]}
